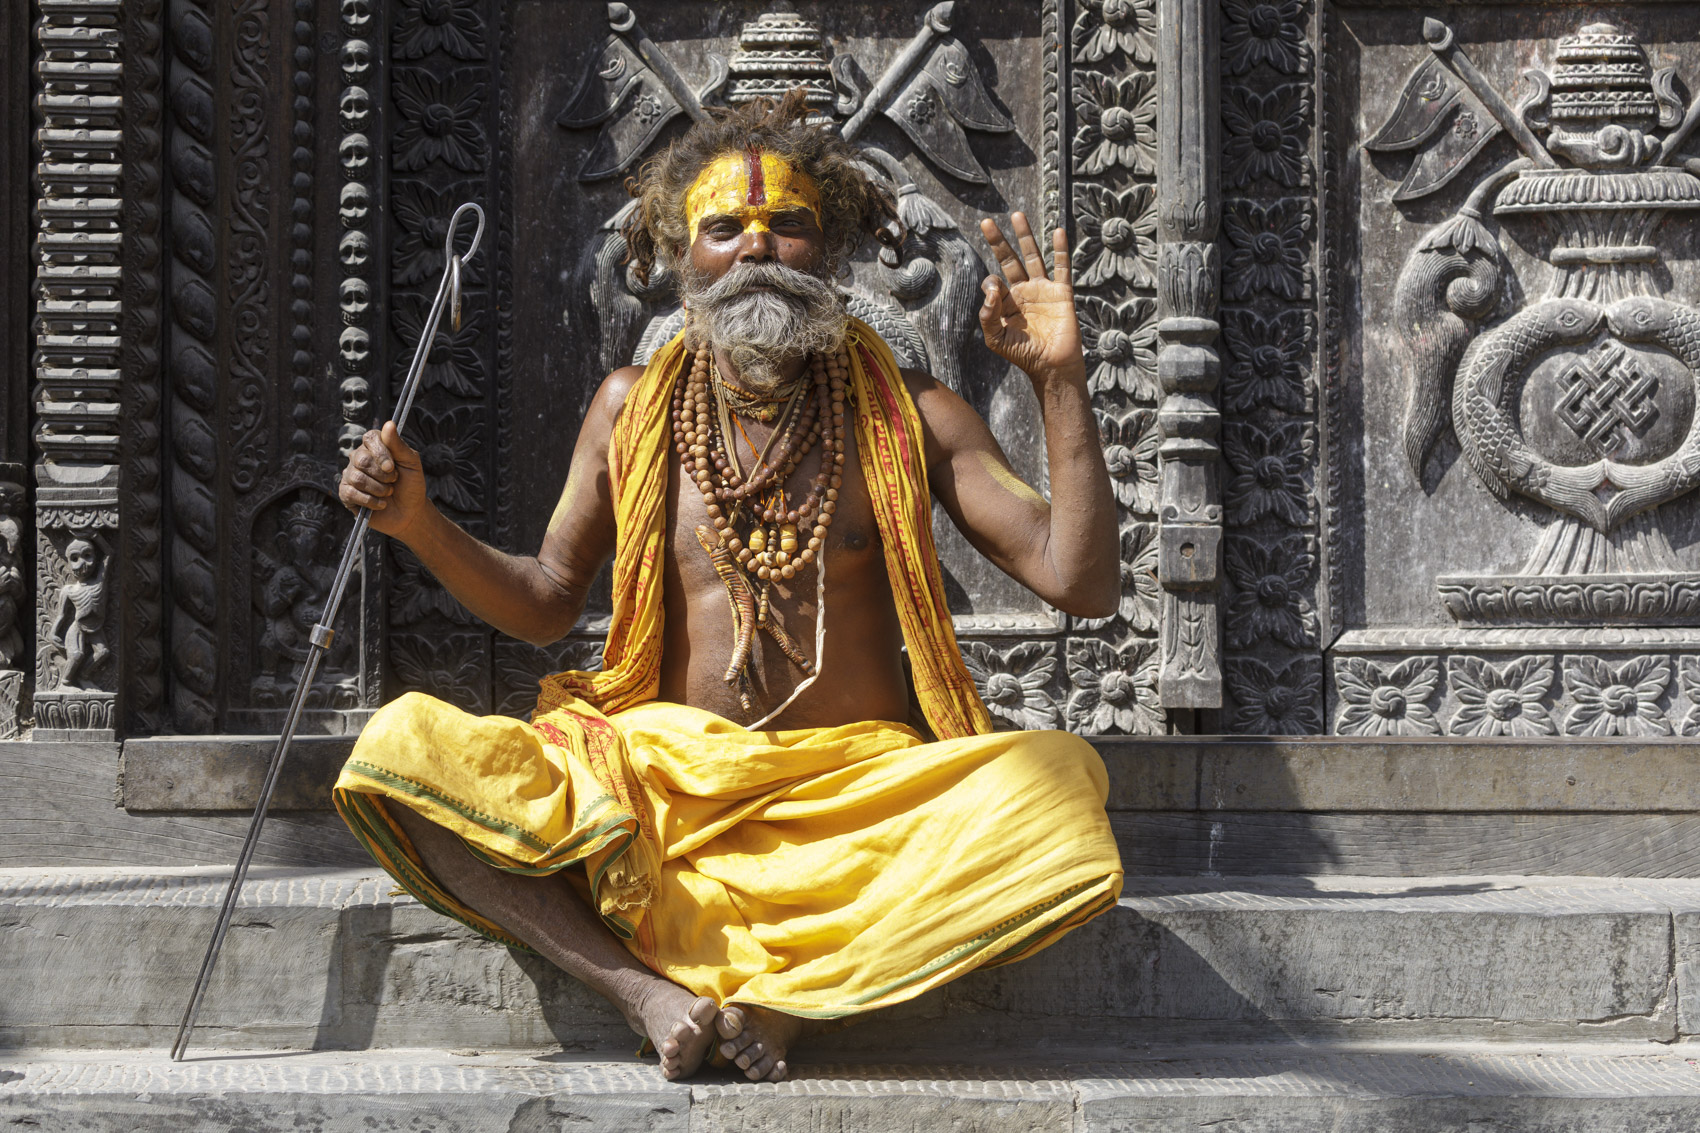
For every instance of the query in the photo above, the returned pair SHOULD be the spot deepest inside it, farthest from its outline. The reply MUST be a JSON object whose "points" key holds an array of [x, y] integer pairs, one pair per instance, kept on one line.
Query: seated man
{"points": [[757, 840]]}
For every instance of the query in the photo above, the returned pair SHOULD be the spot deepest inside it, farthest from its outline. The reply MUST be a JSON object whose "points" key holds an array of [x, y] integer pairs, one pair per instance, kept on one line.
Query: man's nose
{"points": [[757, 246]]}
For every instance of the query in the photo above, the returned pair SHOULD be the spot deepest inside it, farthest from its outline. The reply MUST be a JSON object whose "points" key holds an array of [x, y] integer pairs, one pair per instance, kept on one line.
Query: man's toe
{"points": [[730, 1023], [702, 1013], [779, 1071], [760, 1068]]}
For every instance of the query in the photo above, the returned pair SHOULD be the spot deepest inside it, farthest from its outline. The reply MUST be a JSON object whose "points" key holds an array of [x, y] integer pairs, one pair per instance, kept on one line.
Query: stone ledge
{"points": [[177, 774], [1322, 774], [334, 960], [1277, 1088]]}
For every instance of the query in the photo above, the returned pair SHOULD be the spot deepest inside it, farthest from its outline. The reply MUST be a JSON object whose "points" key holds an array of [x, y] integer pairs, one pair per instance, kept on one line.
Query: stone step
{"points": [[1179, 805], [106, 958], [1397, 806], [1281, 1088]]}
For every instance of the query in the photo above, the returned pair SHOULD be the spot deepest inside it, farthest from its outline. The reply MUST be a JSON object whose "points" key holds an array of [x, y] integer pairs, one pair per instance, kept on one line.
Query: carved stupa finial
{"points": [[1603, 99], [778, 51]]}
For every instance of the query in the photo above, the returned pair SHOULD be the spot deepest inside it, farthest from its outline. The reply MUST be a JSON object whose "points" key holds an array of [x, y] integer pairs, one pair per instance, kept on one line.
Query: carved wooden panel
{"points": [[1513, 417], [236, 225], [238, 525]]}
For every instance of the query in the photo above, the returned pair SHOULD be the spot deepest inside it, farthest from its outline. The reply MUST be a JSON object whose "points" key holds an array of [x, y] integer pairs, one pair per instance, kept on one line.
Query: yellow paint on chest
{"points": [[752, 187]]}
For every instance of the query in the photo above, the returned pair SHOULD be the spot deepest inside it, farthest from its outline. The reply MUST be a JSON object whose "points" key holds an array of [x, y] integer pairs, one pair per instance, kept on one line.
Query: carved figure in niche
{"points": [[12, 594], [739, 485], [290, 592], [932, 91], [79, 625], [1585, 400]]}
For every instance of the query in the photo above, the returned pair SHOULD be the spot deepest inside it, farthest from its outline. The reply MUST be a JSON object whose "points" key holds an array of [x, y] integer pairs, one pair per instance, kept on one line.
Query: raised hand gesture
{"points": [[1028, 316]]}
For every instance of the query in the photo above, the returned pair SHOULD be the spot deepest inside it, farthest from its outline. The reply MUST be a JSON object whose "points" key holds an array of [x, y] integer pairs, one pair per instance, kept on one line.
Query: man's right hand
{"points": [[386, 475]]}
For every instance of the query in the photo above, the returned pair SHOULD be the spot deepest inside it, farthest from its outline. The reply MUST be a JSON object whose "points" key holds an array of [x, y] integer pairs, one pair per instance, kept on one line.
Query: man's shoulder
{"points": [[617, 385], [611, 397]]}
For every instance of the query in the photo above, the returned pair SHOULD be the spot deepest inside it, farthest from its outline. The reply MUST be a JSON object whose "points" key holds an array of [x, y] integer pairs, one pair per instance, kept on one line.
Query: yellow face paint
{"points": [[752, 187], [1009, 481]]}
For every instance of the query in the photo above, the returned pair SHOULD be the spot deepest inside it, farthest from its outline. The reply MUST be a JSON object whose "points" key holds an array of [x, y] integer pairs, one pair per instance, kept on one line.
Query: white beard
{"points": [[759, 331]]}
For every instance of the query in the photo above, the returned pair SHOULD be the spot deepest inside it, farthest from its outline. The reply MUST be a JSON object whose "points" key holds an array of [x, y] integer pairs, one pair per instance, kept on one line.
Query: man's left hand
{"points": [[1028, 316]]}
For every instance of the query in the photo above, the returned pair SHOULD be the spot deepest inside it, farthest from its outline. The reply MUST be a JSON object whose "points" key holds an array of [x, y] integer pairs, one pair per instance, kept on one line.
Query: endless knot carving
{"points": [[1607, 395]]}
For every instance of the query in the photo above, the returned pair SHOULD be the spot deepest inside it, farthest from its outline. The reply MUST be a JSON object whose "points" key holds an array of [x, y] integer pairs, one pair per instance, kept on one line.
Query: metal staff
{"points": [[319, 641]]}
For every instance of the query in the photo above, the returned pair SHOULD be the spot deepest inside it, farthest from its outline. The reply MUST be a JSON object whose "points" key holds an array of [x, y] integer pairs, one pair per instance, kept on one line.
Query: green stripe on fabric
{"points": [[594, 837], [370, 829], [979, 943], [422, 791], [1027, 946]]}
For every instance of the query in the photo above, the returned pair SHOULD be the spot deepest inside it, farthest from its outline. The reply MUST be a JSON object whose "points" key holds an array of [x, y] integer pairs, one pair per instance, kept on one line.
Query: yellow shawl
{"points": [[894, 465]]}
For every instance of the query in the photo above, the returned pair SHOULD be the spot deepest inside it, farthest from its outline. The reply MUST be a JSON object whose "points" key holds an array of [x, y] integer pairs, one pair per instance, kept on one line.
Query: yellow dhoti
{"points": [[821, 872]]}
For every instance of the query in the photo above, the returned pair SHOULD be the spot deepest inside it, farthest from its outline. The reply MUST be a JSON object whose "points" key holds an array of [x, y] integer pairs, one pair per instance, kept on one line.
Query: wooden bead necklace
{"points": [[706, 412]]}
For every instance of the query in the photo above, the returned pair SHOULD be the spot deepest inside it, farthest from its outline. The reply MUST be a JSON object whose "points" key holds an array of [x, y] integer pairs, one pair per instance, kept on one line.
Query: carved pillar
{"points": [[1188, 365], [78, 274], [192, 545], [14, 599]]}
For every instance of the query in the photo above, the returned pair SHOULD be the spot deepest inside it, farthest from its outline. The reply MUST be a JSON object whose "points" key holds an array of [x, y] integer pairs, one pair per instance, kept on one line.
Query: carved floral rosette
{"points": [[1275, 619], [1534, 682], [1110, 140]]}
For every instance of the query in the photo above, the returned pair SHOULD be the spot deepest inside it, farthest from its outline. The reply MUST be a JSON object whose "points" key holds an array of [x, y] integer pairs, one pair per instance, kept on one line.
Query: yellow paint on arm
{"points": [[1008, 480], [569, 497]]}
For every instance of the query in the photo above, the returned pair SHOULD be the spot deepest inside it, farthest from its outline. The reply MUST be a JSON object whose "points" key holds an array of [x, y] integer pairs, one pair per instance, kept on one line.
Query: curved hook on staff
{"points": [[448, 295]]}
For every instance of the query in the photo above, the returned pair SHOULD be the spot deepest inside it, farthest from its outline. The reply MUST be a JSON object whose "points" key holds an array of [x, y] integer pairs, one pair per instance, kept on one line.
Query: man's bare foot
{"points": [[757, 1039], [681, 1027]]}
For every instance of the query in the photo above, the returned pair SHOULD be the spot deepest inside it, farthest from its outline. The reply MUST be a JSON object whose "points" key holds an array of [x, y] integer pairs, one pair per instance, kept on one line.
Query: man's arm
{"points": [[1066, 551], [536, 598]]}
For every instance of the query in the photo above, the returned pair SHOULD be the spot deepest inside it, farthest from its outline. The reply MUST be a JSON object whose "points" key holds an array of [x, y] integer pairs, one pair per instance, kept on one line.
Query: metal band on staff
{"points": [[319, 640]]}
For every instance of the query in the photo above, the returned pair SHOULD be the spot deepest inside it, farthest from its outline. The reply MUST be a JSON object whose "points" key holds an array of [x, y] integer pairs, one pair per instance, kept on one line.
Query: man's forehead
{"points": [[752, 179]]}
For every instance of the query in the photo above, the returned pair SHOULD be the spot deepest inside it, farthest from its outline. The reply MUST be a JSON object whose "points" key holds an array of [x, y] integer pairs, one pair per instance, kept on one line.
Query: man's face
{"points": [[753, 207], [755, 284]]}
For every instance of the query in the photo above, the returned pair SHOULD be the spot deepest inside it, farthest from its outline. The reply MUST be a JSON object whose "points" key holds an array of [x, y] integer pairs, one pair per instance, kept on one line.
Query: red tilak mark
{"points": [[753, 173]]}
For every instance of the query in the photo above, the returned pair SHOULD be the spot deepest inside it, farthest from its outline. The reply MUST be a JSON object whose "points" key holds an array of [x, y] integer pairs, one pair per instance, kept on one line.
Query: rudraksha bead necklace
{"points": [[754, 541]]}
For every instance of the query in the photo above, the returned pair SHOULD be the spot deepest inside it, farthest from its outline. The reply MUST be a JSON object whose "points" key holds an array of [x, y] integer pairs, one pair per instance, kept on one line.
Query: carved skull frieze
{"points": [[356, 16], [356, 397], [355, 250], [354, 109], [356, 300], [355, 346], [349, 438], [355, 153], [355, 205], [356, 61]]}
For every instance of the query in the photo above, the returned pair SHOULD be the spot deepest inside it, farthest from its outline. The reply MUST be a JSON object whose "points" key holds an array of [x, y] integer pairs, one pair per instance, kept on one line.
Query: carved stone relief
{"points": [[1274, 623], [1537, 326], [1112, 664], [14, 600], [77, 367], [290, 536], [1518, 683], [142, 646], [445, 142], [75, 670], [192, 406]]}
